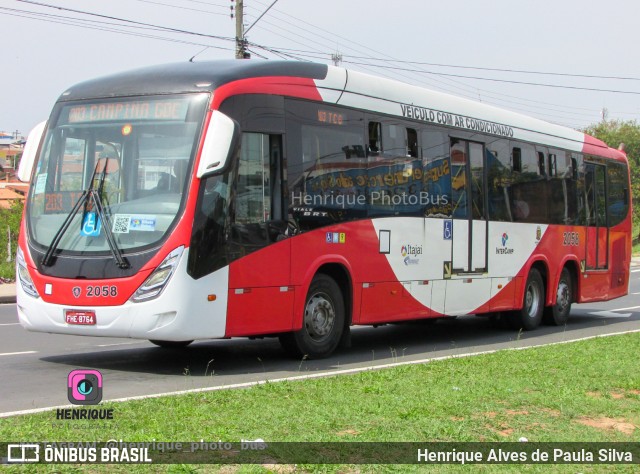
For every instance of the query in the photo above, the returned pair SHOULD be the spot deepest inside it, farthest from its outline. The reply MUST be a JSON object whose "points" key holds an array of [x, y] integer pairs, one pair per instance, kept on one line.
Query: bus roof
{"points": [[349, 88], [188, 77]]}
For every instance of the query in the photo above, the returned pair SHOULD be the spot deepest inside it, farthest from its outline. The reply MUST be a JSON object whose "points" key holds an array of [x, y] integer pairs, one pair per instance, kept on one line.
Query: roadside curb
{"points": [[7, 293]]}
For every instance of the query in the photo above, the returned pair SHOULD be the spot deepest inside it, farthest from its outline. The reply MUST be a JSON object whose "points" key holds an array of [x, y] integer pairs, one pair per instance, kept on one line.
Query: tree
{"points": [[9, 218], [613, 133]]}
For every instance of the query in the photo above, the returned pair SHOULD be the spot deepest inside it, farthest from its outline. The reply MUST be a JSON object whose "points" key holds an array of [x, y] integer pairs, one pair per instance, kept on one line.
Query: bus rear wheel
{"points": [[322, 324], [530, 315], [558, 314], [170, 344]]}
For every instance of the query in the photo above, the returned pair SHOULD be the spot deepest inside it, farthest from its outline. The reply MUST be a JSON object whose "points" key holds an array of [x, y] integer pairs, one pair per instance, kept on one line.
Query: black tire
{"points": [[170, 344], [322, 324], [530, 316], [558, 313]]}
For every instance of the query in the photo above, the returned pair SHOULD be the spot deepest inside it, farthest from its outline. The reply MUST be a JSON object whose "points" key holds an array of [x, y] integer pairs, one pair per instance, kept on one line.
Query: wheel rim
{"points": [[532, 300], [563, 296], [319, 316]]}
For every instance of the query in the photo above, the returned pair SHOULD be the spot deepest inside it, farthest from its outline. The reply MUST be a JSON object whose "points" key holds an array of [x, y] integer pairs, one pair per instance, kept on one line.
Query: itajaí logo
{"points": [[410, 252]]}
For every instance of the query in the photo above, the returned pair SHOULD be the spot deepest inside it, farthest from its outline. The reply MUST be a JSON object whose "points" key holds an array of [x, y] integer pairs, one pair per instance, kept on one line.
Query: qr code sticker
{"points": [[121, 224]]}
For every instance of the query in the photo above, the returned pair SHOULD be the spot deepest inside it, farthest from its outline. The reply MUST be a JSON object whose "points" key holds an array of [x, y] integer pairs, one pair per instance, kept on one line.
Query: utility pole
{"points": [[241, 41], [241, 45], [336, 58]]}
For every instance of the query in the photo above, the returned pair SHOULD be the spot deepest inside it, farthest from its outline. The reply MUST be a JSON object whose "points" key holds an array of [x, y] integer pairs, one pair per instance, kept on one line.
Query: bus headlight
{"points": [[153, 286], [23, 275]]}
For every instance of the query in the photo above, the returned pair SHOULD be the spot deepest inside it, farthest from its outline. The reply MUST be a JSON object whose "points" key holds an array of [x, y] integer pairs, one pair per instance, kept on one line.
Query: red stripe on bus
{"points": [[303, 88]]}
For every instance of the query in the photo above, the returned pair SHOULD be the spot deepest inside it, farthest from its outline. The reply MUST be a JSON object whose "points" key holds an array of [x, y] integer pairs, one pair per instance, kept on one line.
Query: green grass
{"points": [[585, 391]]}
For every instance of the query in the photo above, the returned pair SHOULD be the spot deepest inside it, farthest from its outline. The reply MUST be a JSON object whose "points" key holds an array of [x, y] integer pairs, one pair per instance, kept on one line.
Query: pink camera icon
{"points": [[84, 387]]}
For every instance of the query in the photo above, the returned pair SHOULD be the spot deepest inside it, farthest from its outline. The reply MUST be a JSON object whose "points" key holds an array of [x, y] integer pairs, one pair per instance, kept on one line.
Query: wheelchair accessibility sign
{"points": [[91, 225], [447, 231]]}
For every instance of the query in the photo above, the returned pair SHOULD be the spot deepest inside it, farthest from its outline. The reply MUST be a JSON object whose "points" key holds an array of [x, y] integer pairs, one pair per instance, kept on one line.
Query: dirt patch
{"points": [[348, 432], [608, 424], [516, 412], [616, 395], [594, 394], [457, 418], [280, 468], [551, 412]]}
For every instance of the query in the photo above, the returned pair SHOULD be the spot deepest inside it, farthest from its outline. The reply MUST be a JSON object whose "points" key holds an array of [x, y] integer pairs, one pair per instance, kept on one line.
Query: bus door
{"points": [[469, 249], [259, 300], [597, 241]]}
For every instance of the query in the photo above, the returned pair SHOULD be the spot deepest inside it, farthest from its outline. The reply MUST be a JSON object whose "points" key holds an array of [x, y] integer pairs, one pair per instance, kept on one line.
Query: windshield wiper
{"points": [[87, 195], [106, 221], [47, 260]]}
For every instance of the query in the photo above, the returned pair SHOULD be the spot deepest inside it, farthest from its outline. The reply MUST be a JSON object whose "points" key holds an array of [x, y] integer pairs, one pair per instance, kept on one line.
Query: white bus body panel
{"points": [[182, 311], [395, 98]]}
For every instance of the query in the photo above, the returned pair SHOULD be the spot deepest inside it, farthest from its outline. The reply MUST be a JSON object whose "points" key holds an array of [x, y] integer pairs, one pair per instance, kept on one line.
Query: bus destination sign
{"points": [[129, 111]]}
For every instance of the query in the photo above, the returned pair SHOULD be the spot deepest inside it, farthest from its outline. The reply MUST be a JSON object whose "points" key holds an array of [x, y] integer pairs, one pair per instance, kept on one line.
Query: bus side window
{"points": [[541, 168], [516, 160], [253, 191], [553, 168], [498, 180], [436, 173], [375, 138], [412, 143]]}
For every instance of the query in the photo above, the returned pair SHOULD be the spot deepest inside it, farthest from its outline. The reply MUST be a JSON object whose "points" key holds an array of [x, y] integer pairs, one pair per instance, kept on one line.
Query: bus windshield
{"points": [[133, 155]]}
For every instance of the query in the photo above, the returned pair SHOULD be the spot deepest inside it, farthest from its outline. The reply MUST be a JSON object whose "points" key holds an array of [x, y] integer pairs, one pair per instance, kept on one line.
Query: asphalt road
{"points": [[34, 366]]}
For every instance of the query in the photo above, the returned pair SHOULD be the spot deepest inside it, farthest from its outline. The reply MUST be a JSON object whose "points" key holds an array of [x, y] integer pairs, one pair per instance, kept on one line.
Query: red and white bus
{"points": [[247, 198]]}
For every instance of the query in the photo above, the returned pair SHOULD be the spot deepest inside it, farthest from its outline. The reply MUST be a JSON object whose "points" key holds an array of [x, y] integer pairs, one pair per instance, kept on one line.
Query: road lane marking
{"points": [[610, 314], [625, 309], [321, 374], [18, 353], [10, 324]]}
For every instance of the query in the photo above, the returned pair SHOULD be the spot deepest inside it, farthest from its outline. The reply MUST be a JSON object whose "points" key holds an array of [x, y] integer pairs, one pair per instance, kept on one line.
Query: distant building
{"points": [[10, 150], [8, 195]]}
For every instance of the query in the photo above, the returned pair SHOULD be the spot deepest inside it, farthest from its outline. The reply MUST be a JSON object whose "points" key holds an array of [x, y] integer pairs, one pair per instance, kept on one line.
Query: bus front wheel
{"points": [[530, 315], [323, 321]]}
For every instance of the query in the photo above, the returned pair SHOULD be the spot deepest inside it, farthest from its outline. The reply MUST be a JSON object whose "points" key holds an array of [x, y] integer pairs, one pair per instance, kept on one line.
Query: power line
{"points": [[516, 71], [82, 23], [124, 20], [469, 88], [593, 89], [182, 8], [391, 64]]}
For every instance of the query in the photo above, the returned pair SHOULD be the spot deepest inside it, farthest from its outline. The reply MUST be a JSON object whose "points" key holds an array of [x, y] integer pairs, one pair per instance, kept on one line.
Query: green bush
{"points": [[9, 224]]}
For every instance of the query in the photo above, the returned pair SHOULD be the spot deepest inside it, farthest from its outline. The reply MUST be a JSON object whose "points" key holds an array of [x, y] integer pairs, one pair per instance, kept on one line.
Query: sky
{"points": [[467, 48]]}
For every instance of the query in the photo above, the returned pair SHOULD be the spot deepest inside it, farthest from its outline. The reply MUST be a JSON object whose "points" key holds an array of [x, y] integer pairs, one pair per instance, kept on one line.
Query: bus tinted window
{"points": [[326, 161], [436, 174], [498, 180], [618, 188]]}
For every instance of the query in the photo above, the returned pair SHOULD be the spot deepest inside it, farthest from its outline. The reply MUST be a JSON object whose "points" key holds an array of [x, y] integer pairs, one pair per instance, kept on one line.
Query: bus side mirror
{"points": [[219, 144], [30, 152]]}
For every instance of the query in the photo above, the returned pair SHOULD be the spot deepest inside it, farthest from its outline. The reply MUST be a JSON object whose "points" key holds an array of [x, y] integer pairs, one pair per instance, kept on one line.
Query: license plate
{"points": [[86, 318]]}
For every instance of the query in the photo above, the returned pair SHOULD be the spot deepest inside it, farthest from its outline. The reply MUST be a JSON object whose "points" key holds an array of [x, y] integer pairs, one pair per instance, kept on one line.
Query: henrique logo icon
{"points": [[84, 387]]}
